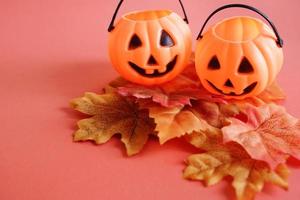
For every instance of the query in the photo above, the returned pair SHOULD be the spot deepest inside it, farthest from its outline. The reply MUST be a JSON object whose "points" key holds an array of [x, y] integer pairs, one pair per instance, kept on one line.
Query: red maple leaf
{"points": [[269, 133], [178, 92]]}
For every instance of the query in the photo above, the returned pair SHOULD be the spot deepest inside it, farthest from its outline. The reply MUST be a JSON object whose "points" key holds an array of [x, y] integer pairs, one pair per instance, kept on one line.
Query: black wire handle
{"points": [[111, 25], [279, 40]]}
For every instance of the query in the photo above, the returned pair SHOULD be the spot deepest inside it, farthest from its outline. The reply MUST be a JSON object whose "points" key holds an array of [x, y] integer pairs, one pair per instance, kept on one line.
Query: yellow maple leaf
{"points": [[249, 176], [113, 114], [175, 122]]}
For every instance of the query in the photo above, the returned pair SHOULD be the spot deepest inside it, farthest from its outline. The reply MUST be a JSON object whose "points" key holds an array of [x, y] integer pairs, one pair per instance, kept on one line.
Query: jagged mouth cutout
{"points": [[247, 90], [141, 71]]}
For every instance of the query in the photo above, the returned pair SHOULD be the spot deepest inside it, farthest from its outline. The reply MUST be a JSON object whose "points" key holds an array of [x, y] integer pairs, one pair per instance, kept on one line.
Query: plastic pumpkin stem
{"points": [[279, 39], [111, 25]]}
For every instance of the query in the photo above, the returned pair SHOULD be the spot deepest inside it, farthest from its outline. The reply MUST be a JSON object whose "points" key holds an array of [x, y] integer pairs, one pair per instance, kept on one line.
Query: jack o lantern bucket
{"points": [[150, 47], [240, 56]]}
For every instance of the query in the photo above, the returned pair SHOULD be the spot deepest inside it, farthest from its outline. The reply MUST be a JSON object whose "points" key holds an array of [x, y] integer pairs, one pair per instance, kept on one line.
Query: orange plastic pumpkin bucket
{"points": [[240, 56], [150, 47]]}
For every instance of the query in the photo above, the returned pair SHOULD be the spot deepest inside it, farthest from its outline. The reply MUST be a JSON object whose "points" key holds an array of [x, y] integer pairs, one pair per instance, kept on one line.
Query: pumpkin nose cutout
{"points": [[228, 83], [152, 61]]}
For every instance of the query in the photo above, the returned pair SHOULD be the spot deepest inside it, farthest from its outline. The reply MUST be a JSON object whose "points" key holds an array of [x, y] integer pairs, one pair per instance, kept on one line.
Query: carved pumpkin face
{"points": [[238, 57], [150, 47]]}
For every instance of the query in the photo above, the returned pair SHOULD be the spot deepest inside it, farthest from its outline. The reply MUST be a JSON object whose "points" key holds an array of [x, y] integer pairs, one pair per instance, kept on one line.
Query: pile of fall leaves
{"points": [[249, 140]]}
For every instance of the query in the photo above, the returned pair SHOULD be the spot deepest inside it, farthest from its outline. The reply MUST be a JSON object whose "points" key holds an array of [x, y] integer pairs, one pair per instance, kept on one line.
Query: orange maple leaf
{"points": [[269, 134], [175, 122], [113, 114]]}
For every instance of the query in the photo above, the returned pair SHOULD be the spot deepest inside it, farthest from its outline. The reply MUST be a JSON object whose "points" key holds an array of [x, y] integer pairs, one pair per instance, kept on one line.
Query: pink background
{"points": [[52, 51]]}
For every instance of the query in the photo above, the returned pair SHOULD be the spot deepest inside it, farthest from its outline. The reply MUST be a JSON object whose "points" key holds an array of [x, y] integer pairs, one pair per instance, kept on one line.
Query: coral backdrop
{"points": [[53, 51]]}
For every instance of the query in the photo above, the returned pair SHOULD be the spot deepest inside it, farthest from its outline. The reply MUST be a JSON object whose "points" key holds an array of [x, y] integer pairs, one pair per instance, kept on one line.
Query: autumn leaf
{"points": [[215, 114], [220, 160], [269, 134], [114, 84], [272, 94], [171, 97], [175, 122], [203, 116], [113, 114], [249, 176], [206, 140], [178, 92]]}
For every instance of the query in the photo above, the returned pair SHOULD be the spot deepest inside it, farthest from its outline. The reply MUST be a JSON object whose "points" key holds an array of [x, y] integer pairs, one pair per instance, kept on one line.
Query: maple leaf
{"points": [[220, 160], [175, 122], [269, 133], [272, 94], [113, 114], [113, 85], [249, 176], [215, 114], [178, 92], [206, 140], [203, 116]]}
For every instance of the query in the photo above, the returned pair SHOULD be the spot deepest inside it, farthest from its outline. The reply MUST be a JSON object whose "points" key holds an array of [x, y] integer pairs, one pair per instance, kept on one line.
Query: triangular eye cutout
{"points": [[135, 42], [214, 63], [166, 40], [245, 66]]}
